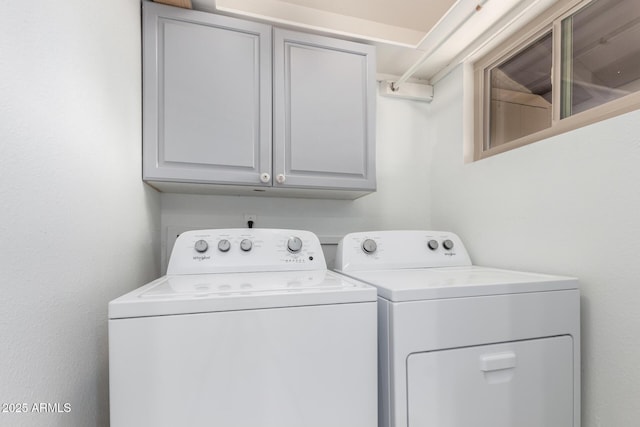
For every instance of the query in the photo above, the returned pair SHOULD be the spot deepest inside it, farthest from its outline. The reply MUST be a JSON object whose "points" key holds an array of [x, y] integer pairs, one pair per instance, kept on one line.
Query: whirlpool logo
{"points": [[201, 257]]}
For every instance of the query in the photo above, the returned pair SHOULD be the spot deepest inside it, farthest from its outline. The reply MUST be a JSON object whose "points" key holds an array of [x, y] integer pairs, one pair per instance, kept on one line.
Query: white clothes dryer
{"points": [[247, 329], [462, 345]]}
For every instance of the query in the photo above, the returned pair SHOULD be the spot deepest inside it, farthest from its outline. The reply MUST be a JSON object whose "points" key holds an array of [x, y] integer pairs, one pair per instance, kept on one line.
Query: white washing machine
{"points": [[462, 345], [247, 329]]}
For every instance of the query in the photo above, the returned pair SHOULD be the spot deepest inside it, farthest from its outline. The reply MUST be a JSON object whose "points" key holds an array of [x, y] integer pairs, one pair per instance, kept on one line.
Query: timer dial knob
{"points": [[246, 245], [369, 246], [447, 244], [432, 244], [294, 244], [201, 246], [224, 245]]}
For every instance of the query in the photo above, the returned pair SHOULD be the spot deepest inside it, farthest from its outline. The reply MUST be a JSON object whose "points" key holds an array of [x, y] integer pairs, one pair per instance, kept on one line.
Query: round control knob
{"points": [[224, 245], [447, 244], [369, 246], [246, 245], [265, 177], [433, 244], [294, 244], [201, 246]]}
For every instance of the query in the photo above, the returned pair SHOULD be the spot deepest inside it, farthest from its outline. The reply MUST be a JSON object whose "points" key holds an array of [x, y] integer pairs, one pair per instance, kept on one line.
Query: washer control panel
{"points": [[379, 250], [245, 250]]}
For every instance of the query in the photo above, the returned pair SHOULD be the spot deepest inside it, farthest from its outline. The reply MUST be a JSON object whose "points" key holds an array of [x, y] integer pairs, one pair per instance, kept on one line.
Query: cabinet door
{"points": [[324, 112], [207, 97]]}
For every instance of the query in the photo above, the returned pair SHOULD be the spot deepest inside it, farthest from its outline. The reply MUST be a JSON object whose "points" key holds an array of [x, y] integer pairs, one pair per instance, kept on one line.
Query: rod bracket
{"points": [[414, 91]]}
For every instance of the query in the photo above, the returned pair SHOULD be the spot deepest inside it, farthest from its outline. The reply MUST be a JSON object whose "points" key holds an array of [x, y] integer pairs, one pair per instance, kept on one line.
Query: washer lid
{"points": [[459, 282], [204, 293]]}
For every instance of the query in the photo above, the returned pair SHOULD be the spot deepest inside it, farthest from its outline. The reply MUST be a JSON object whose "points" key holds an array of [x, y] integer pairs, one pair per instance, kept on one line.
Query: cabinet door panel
{"points": [[202, 110], [207, 91], [324, 111]]}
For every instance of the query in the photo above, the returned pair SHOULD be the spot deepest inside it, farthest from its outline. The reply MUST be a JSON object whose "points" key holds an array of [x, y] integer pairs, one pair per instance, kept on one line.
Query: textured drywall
{"points": [[567, 205], [77, 225]]}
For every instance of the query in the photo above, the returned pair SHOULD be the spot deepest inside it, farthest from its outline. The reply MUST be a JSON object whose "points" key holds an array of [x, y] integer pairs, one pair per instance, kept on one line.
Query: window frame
{"points": [[550, 20]]}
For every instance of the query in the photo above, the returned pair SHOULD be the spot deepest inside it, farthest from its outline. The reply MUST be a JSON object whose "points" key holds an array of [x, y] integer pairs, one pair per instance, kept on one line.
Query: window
{"points": [[600, 54], [520, 97], [591, 48]]}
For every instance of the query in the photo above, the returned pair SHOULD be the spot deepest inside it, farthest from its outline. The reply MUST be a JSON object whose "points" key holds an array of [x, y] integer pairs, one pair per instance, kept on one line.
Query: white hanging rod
{"points": [[395, 86]]}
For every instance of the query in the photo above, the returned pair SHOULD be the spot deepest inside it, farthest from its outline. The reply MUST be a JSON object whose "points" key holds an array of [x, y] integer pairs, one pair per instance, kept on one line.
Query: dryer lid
{"points": [[205, 293], [459, 282]]}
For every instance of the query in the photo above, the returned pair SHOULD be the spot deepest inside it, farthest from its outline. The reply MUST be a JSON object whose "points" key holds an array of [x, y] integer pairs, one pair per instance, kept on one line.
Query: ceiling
{"points": [[404, 31], [420, 15]]}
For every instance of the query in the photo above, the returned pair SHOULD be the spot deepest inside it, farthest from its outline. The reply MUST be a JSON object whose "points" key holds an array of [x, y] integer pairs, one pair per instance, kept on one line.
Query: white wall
{"points": [[77, 226], [568, 205], [401, 201]]}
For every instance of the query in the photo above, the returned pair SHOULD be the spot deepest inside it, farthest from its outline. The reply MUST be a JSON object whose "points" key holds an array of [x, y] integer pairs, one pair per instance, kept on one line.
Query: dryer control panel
{"points": [[238, 250], [381, 250]]}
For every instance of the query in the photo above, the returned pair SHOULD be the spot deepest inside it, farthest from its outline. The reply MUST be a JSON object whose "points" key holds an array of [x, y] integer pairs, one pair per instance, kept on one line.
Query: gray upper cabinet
{"points": [[209, 86]]}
